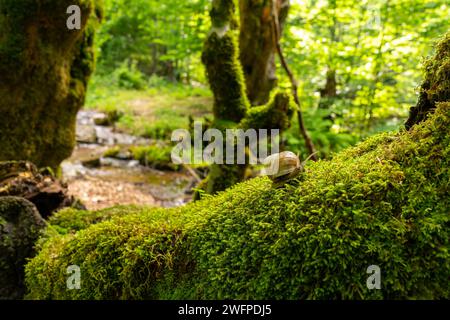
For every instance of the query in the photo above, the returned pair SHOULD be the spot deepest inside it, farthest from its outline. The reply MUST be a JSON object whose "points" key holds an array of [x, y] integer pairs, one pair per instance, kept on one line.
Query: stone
{"points": [[20, 227]]}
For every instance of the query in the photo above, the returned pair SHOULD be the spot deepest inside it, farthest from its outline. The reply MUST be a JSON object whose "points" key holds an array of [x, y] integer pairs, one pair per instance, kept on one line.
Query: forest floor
{"points": [[145, 116], [154, 112]]}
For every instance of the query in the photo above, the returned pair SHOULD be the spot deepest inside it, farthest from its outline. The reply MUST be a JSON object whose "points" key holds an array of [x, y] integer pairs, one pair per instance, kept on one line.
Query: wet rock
{"points": [[107, 120], [92, 163], [24, 180], [20, 227], [118, 152], [86, 134]]}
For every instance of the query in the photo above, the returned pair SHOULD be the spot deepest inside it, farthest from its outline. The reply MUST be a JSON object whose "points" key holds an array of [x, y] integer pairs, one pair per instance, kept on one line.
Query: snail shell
{"points": [[283, 166]]}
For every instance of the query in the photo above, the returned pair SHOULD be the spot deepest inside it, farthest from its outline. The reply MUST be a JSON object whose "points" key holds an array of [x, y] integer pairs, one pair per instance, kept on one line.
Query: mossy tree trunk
{"points": [[44, 70], [436, 86], [258, 46], [232, 108]]}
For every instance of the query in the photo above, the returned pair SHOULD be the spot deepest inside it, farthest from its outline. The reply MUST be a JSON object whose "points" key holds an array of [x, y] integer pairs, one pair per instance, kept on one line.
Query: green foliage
{"points": [[328, 135], [384, 202], [154, 112], [155, 156], [375, 49], [129, 77], [163, 37]]}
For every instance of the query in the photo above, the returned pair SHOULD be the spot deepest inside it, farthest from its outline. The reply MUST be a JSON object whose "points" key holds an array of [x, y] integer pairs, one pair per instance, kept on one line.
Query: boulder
{"points": [[20, 227]]}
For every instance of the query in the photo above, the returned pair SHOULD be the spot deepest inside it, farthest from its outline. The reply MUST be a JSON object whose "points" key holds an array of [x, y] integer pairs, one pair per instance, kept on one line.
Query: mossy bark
{"points": [[232, 108], [44, 71], [436, 86], [258, 46], [221, 59]]}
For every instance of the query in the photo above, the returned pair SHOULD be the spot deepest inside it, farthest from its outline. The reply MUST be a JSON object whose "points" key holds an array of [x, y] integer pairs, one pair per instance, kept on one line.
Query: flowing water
{"points": [[104, 182]]}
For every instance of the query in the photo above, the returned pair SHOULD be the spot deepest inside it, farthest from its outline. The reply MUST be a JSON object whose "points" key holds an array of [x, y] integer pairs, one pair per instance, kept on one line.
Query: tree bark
{"points": [[258, 48], [231, 105], [44, 70], [436, 86]]}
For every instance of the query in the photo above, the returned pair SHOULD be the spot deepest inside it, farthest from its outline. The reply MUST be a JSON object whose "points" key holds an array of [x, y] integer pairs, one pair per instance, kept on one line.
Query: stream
{"points": [[104, 182]]}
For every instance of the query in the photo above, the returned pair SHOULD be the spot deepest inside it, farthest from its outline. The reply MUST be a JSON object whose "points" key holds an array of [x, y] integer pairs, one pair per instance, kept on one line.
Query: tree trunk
{"points": [[44, 70], [329, 92], [231, 105], [436, 86], [258, 48]]}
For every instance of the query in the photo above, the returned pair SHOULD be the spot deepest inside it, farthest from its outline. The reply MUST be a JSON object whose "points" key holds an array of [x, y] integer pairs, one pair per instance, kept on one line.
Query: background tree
{"points": [[155, 38], [231, 105], [258, 46]]}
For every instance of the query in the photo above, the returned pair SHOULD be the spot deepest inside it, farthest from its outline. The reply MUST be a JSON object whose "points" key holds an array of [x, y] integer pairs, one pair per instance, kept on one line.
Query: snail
{"points": [[282, 167]]}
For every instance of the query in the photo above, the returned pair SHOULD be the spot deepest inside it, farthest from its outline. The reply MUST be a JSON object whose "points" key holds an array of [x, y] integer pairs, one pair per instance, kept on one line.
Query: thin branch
{"points": [[303, 131]]}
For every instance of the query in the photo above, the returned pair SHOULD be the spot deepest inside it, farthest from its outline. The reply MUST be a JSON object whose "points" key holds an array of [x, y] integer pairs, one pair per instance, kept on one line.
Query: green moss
{"points": [[112, 152], [231, 105], [275, 115], [222, 177], [45, 68], [384, 202], [223, 14], [225, 75], [436, 86], [71, 220], [155, 156]]}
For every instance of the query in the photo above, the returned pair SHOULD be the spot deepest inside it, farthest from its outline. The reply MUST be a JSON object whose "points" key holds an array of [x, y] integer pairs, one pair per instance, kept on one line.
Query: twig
{"points": [[303, 131]]}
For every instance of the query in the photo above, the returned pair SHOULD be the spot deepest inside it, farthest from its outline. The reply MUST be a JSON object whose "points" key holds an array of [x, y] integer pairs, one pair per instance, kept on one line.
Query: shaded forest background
{"points": [[356, 63]]}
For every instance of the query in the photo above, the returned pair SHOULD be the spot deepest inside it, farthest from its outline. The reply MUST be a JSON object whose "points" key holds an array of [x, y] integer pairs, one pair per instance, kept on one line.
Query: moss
{"points": [[20, 227], [45, 68], [384, 202], [436, 86], [70, 220], [112, 152], [155, 156], [225, 75], [275, 115], [231, 105], [222, 177], [223, 14]]}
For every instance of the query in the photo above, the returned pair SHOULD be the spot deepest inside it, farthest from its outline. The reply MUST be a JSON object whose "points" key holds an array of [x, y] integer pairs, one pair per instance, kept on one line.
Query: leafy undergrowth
{"points": [[384, 202], [153, 112]]}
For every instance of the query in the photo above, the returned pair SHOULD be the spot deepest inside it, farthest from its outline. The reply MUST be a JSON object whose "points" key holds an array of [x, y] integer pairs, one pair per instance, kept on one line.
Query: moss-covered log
{"points": [[384, 202], [44, 71]]}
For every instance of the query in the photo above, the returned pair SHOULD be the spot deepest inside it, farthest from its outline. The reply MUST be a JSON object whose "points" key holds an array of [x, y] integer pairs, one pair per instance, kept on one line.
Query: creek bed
{"points": [[104, 182]]}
